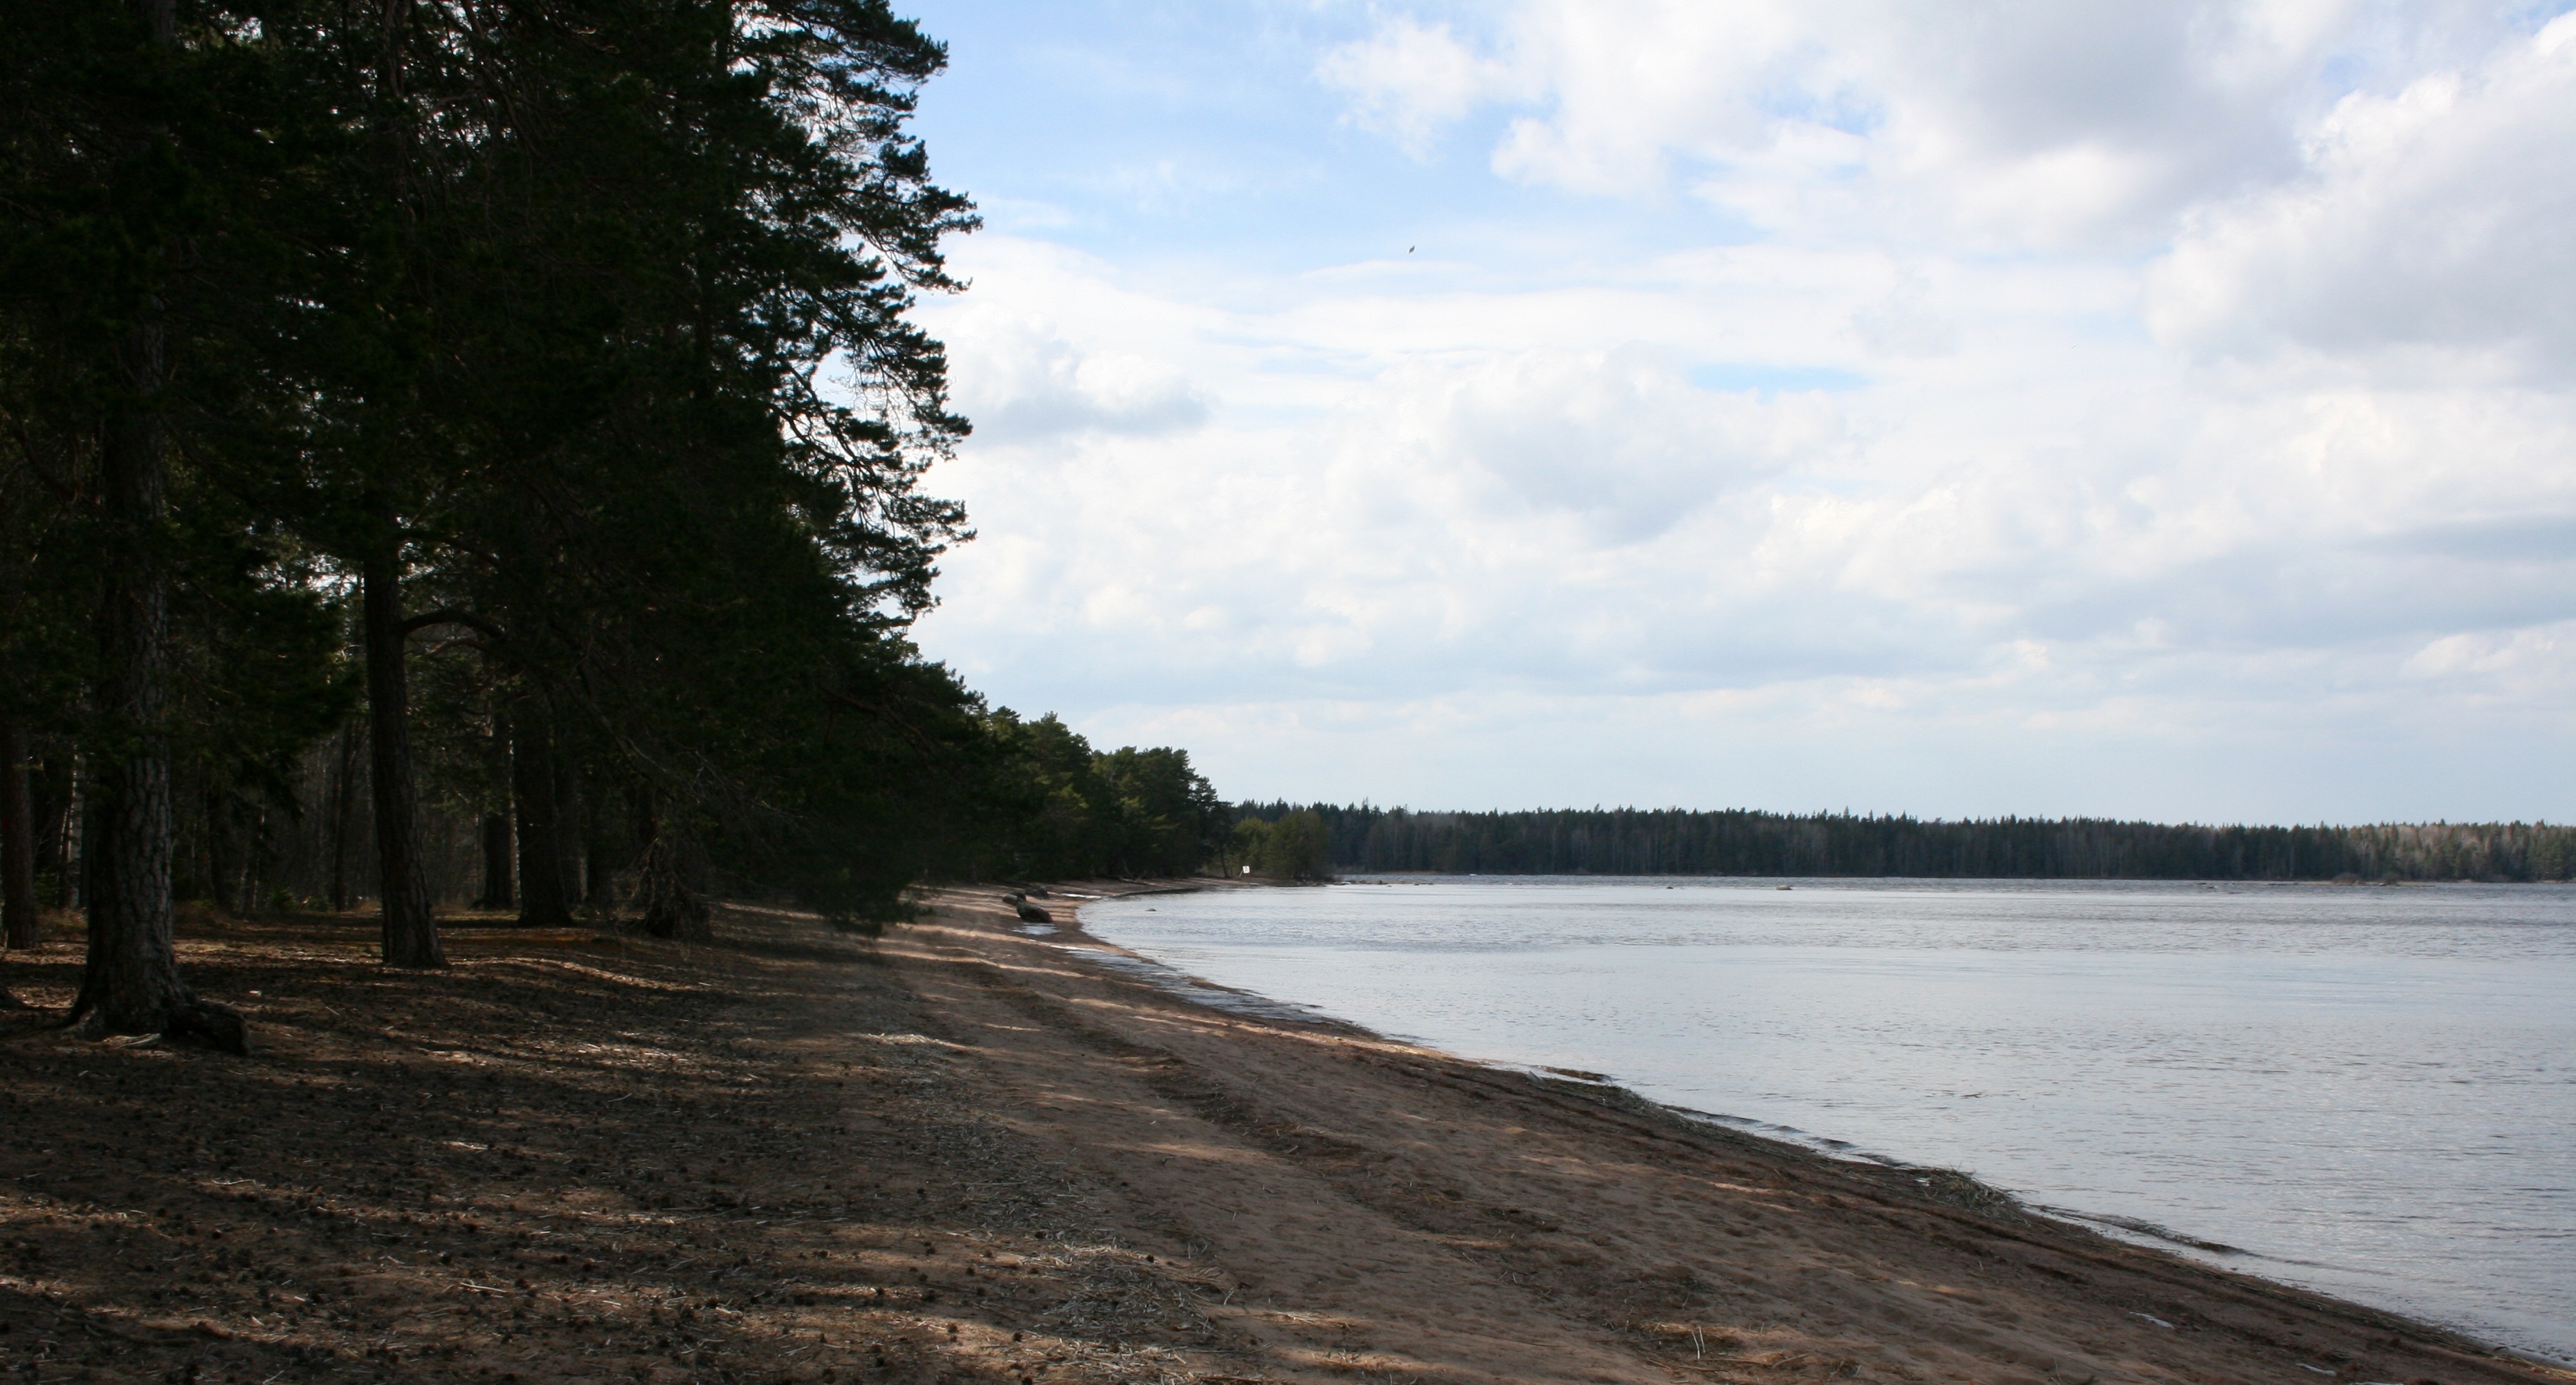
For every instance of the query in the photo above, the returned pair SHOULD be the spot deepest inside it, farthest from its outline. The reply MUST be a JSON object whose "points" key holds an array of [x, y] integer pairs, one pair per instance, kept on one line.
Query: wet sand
{"points": [[965, 1153]]}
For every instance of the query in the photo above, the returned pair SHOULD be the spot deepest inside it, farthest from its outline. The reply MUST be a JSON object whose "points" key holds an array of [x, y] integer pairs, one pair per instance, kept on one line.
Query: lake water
{"points": [[2368, 1091]]}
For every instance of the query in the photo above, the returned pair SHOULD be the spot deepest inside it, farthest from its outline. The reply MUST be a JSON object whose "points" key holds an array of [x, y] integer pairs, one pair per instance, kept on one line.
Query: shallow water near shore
{"points": [[2367, 1091]]}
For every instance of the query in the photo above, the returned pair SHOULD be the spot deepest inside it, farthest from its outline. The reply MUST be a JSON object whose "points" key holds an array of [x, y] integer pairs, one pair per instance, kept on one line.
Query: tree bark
{"points": [[70, 889], [532, 775], [254, 874], [344, 804], [410, 934], [499, 840], [600, 873], [670, 886], [568, 828], [215, 856], [17, 838], [498, 844], [643, 817], [130, 981]]}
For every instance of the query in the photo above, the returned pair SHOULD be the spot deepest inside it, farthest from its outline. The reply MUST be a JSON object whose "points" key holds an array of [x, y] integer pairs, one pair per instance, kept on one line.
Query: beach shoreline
{"points": [[2018, 1225], [965, 1153], [2333, 1093]]}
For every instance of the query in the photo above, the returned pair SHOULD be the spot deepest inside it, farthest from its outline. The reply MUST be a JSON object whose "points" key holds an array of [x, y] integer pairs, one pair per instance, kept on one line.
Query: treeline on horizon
{"points": [[1676, 841], [459, 454]]}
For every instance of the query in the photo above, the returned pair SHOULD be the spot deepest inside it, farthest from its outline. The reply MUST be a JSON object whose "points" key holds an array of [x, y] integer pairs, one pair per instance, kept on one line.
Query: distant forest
{"points": [[1674, 841]]}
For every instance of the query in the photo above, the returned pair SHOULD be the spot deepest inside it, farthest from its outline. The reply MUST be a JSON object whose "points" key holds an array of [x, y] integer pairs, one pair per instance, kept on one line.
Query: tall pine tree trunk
{"points": [[568, 827], [344, 806], [599, 872], [130, 982], [215, 855], [254, 874], [499, 841], [70, 889], [17, 838], [532, 777], [410, 934]]}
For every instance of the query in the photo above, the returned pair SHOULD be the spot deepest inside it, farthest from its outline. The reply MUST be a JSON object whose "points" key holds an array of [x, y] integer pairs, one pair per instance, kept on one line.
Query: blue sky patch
{"points": [[1736, 377]]}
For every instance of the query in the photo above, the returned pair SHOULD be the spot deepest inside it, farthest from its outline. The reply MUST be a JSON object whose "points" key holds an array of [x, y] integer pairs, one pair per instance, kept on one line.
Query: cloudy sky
{"points": [[2161, 410]]}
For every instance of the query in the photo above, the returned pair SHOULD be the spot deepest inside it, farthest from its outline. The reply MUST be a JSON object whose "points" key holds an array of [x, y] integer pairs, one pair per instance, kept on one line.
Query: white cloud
{"points": [[2112, 414], [1626, 85], [1619, 438], [2436, 217], [1022, 376], [1409, 81], [1029, 384], [2013, 122], [2518, 664], [1905, 323]]}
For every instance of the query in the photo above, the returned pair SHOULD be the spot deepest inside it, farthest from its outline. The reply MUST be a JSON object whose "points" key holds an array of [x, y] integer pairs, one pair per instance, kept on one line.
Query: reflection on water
{"points": [[2369, 1091]]}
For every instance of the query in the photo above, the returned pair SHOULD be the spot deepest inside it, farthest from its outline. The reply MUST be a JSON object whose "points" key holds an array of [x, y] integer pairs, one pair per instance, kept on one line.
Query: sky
{"points": [[2158, 411]]}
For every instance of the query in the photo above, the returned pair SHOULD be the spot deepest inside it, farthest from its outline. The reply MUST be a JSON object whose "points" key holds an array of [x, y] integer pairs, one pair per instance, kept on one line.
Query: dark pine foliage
{"points": [[478, 452], [1676, 841]]}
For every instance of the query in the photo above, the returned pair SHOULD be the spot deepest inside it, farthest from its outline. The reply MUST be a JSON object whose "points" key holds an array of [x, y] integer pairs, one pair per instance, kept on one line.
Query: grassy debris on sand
{"points": [[963, 1153]]}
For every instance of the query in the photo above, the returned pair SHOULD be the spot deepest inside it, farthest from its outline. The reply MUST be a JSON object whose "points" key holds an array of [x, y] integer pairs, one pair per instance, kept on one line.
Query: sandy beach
{"points": [[964, 1153]]}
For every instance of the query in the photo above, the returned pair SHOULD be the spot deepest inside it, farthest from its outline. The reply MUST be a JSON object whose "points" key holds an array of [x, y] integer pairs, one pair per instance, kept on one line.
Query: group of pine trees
{"points": [[1674, 841], [474, 451], [1280, 843]]}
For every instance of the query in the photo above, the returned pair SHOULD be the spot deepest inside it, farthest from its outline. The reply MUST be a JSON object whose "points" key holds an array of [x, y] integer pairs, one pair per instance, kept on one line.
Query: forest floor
{"points": [[963, 1153]]}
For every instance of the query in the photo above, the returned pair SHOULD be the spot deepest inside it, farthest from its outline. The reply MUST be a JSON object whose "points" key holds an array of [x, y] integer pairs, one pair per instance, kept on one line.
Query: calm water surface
{"points": [[2369, 1091]]}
